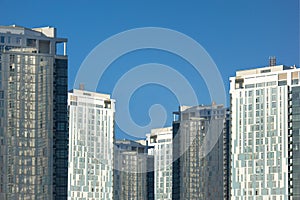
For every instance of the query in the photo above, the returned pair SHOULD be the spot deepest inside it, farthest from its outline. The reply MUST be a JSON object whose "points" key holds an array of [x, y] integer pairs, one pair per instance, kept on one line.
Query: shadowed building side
{"points": [[200, 167]]}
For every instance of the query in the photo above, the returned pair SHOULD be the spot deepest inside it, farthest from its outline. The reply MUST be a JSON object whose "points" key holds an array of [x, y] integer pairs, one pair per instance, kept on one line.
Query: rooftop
{"points": [[38, 32], [262, 70], [89, 94]]}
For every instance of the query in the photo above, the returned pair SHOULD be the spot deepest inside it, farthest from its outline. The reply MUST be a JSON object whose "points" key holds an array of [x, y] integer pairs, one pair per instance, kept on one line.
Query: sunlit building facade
{"points": [[161, 141], [33, 114], [91, 137], [265, 139]]}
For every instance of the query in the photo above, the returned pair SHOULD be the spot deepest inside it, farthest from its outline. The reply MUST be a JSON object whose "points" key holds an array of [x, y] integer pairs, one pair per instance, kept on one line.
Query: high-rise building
{"points": [[133, 172], [161, 141], [265, 133], [33, 114], [91, 130], [200, 153]]}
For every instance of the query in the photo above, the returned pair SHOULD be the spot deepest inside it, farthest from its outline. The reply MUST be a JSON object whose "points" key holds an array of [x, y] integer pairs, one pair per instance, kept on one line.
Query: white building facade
{"points": [[161, 140], [91, 137], [265, 133]]}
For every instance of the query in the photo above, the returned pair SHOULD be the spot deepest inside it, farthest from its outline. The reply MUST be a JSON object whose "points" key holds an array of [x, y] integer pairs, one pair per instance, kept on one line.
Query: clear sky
{"points": [[236, 34]]}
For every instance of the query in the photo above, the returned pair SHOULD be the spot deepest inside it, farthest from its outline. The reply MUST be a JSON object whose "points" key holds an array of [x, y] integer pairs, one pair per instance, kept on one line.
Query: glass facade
{"points": [[28, 112], [60, 129], [133, 175], [176, 175], [150, 178], [199, 167]]}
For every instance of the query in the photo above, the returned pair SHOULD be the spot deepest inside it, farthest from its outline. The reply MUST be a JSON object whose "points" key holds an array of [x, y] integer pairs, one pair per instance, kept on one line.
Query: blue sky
{"points": [[237, 35]]}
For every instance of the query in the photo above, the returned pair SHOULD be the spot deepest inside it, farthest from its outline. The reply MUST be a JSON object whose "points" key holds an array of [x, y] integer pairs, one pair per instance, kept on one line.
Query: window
{"points": [[265, 71], [61, 99], [18, 40], [62, 81], [295, 81], [260, 84], [281, 83], [2, 39], [31, 42], [271, 83], [250, 107], [61, 126]]}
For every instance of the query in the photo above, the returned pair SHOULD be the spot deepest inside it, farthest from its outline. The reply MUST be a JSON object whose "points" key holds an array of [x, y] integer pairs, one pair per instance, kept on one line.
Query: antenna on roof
{"points": [[81, 86], [272, 61], [213, 103]]}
